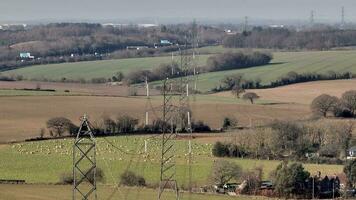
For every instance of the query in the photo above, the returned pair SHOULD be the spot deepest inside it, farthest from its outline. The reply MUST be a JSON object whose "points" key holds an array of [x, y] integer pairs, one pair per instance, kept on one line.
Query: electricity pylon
{"points": [[84, 163], [168, 165], [177, 114]]}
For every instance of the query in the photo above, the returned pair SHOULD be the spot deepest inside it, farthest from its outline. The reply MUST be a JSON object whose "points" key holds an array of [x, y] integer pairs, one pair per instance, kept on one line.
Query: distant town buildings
{"points": [[125, 25]]}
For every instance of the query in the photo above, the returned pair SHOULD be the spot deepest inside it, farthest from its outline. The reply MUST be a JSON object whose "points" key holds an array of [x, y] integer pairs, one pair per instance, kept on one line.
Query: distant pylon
{"points": [[342, 17], [246, 24], [312, 17]]}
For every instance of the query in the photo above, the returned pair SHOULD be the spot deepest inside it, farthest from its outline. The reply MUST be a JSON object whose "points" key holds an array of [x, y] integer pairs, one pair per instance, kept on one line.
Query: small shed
{"points": [[352, 153]]}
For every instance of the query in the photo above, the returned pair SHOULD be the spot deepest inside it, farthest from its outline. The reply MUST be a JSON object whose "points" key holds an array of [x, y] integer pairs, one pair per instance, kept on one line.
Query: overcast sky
{"points": [[64, 10]]}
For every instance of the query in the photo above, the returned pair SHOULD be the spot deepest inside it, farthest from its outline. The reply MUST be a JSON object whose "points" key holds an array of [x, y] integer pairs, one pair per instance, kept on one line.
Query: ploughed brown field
{"points": [[78, 88], [23, 116], [303, 93]]}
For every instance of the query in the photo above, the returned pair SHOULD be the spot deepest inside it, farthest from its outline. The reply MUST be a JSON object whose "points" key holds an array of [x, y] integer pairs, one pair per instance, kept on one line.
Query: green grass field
{"points": [[45, 161], [283, 62], [92, 69], [62, 192]]}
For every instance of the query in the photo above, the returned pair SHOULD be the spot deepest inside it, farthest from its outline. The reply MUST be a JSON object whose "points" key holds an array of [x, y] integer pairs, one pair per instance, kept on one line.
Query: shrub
{"points": [[229, 150], [99, 175], [131, 179], [229, 122], [66, 178], [126, 124], [200, 126], [220, 150], [253, 181]]}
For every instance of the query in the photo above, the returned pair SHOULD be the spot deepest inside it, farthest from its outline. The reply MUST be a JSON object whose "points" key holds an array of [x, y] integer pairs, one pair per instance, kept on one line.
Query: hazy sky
{"points": [[17, 10]]}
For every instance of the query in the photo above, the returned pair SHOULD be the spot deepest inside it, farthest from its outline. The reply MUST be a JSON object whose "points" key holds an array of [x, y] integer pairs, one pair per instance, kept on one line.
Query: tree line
{"points": [[316, 142], [54, 42], [283, 38], [237, 83], [221, 62]]}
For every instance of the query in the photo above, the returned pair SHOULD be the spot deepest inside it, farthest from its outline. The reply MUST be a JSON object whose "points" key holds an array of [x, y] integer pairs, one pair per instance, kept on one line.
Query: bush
{"points": [[99, 175], [66, 178], [131, 179], [229, 122], [200, 126], [126, 124], [220, 150], [229, 150]]}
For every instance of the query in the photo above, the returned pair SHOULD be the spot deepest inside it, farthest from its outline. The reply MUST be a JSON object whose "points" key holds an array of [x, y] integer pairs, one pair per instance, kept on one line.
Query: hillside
{"points": [[301, 93], [283, 62]]}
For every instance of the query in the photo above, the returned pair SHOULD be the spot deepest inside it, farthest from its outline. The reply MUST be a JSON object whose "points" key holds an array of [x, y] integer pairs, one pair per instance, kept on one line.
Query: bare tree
{"points": [[250, 96], [60, 125], [224, 171], [349, 101], [323, 104]]}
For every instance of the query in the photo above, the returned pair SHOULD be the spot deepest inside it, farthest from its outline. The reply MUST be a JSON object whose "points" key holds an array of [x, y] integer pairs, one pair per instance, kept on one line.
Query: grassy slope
{"points": [[43, 162], [283, 62], [91, 69]]}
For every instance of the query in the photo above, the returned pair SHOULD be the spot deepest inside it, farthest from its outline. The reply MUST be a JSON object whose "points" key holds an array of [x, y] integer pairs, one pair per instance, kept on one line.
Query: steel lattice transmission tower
{"points": [[177, 112], [84, 163], [169, 119]]}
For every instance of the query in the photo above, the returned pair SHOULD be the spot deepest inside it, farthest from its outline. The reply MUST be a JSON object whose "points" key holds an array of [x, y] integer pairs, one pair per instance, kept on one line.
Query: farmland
{"points": [[45, 161], [60, 192], [302, 93], [283, 62], [23, 116]]}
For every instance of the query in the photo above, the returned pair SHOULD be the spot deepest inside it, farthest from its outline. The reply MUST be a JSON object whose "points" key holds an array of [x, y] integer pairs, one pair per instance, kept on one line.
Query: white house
{"points": [[352, 153]]}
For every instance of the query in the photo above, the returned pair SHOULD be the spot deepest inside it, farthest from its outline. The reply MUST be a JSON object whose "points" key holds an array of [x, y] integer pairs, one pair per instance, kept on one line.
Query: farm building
{"points": [[26, 56], [352, 153], [166, 42]]}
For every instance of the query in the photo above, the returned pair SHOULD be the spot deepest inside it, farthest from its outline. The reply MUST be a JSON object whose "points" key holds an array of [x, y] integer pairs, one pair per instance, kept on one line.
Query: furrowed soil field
{"points": [[283, 62], [46, 161], [73, 88], [302, 93], [23, 116]]}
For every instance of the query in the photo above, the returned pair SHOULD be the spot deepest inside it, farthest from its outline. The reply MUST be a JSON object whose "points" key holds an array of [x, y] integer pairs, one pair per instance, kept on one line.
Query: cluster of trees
{"points": [[238, 60], [237, 83], [293, 77], [317, 142], [325, 105], [55, 42], [283, 38], [122, 124], [289, 179], [221, 62]]}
